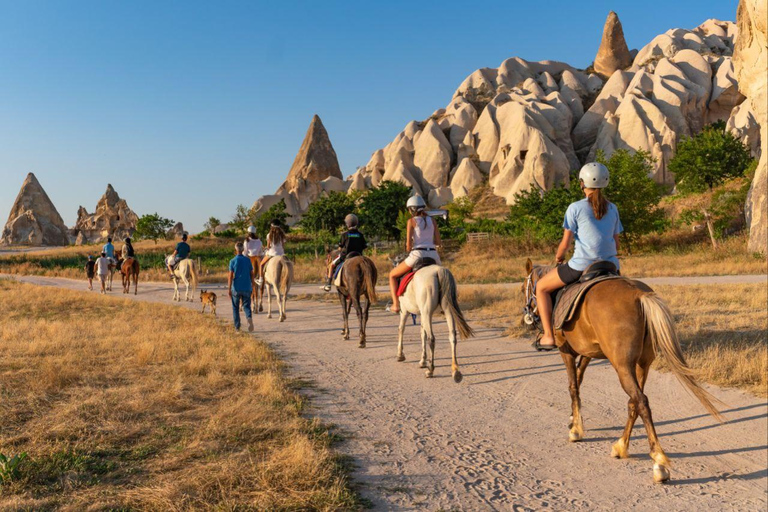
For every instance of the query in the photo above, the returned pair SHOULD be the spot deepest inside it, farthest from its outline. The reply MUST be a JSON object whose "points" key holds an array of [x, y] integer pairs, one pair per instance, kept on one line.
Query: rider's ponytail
{"points": [[599, 203], [276, 235]]}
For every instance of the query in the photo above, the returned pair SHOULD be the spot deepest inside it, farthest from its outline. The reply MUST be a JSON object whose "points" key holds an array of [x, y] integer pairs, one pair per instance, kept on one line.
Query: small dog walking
{"points": [[208, 298]]}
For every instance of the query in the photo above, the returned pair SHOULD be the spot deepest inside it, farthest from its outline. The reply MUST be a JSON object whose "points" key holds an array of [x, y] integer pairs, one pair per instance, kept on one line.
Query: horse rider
{"points": [[109, 250], [352, 242], [421, 241], [593, 224], [275, 242], [180, 253], [254, 249]]}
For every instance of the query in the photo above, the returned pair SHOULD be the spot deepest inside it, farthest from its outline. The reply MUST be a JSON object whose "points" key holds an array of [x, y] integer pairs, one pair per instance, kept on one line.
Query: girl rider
{"points": [[593, 224], [275, 241], [254, 249], [421, 241]]}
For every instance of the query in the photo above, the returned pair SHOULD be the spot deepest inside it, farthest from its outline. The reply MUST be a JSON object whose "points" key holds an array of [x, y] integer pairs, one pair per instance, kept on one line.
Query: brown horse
{"points": [[358, 278], [624, 321], [129, 269], [257, 291]]}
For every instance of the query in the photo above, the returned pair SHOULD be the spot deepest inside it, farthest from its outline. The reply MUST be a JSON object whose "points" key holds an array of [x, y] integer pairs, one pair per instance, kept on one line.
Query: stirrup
{"points": [[543, 348], [327, 288]]}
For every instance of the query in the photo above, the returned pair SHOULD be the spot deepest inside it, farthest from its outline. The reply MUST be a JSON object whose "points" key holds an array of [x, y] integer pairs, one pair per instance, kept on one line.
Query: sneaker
{"points": [[327, 288], [250, 325]]}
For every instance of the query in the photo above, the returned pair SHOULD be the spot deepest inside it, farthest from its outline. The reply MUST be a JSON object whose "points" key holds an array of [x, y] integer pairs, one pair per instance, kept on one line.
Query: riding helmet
{"points": [[416, 202], [594, 175], [351, 221]]}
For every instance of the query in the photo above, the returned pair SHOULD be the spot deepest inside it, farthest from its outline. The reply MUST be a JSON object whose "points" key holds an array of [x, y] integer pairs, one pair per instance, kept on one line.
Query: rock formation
{"points": [[613, 53], [112, 218], [750, 61], [315, 171], [175, 232], [34, 219]]}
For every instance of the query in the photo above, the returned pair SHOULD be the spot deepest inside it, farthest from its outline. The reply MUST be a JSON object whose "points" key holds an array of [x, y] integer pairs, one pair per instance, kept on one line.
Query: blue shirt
{"points": [[242, 268], [182, 250], [109, 250], [593, 238]]}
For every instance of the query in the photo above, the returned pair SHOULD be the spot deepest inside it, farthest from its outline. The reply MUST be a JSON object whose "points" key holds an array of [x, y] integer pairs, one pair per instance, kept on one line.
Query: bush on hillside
{"points": [[708, 159]]}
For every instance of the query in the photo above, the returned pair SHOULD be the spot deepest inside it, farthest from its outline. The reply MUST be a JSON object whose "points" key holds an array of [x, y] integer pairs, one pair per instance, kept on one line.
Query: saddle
{"points": [[337, 272], [407, 278], [568, 299]]}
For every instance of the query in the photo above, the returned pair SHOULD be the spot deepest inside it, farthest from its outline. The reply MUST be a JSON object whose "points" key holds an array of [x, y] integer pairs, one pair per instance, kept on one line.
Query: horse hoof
{"points": [[282, 319], [400, 359], [660, 473], [618, 451], [422, 364], [261, 309], [457, 377], [428, 373], [269, 316], [361, 345], [574, 437]]}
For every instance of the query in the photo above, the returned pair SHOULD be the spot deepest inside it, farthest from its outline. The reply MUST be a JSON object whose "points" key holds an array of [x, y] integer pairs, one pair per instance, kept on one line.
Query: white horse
{"points": [[186, 272], [433, 287], [278, 276]]}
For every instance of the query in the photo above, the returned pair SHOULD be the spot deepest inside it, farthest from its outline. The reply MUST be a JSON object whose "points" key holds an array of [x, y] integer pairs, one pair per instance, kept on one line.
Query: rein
{"points": [[530, 311]]}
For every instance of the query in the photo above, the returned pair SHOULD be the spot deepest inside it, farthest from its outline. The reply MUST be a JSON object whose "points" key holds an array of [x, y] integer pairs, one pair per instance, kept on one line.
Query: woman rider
{"points": [[254, 249], [421, 241], [127, 250], [275, 241], [593, 224]]}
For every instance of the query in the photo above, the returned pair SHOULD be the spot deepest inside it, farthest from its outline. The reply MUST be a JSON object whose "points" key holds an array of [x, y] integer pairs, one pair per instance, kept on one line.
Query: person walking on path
{"points": [[102, 268], [240, 286], [90, 271]]}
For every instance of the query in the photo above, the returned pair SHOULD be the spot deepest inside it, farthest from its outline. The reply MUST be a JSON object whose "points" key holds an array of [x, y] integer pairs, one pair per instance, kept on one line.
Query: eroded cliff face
{"points": [[750, 63], [33, 219], [112, 218]]}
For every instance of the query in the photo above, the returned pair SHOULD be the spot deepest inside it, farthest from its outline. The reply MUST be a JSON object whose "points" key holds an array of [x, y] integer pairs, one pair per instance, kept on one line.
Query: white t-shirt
{"points": [[275, 249], [253, 247], [102, 266]]}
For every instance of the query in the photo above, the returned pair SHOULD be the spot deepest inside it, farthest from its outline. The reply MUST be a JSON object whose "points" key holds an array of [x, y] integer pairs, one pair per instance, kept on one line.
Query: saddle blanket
{"points": [[570, 297], [337, 274], [404, 282]]}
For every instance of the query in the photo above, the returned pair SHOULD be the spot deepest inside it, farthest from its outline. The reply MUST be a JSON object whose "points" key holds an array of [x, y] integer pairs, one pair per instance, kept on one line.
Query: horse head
{"points": [[397, 259]]}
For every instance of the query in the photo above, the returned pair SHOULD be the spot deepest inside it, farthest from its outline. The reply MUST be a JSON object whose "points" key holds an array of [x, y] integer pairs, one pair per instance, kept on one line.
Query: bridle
{"points": [[530, 310]]}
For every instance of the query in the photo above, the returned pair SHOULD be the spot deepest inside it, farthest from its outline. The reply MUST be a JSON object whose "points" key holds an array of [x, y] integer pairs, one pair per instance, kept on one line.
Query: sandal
{"points": [[543, 348]]}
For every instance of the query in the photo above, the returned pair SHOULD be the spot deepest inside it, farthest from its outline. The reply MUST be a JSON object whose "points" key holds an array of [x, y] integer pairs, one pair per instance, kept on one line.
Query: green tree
{"points": [[152, 227], [241, 219], [541, 214], [379, 208], [275, 212], [708, 159], [211, 225], [327, 213]]}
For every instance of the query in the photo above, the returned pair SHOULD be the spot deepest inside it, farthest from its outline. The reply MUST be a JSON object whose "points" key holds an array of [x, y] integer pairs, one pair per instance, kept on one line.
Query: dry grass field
{"points": [[723, 328], [125, 405]]}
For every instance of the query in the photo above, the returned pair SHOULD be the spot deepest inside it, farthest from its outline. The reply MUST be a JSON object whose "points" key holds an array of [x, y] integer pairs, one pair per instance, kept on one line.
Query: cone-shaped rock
{"points": [[316, 159], [33, 219], [112, 218], [613, 53]]}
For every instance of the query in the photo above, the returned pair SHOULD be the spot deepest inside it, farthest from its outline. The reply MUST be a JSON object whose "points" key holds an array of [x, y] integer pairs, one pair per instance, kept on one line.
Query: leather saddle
{"points": [[407, 278], [568, 299]]}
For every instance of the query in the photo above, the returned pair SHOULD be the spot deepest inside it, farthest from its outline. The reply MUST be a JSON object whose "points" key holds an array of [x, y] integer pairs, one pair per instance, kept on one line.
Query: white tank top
{"points": [[253, 247], [423, 236]]}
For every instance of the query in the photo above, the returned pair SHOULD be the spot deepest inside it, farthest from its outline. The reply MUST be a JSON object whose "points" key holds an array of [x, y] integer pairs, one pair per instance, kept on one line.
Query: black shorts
{"points": [[567, 274]]}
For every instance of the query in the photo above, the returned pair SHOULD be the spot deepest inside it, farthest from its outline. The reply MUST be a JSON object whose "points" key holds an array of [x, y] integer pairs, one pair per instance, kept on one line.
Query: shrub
{"points": [[152, 227], [275, 212], [327, 213], [379, 209], [708, 159], [240, 220]]}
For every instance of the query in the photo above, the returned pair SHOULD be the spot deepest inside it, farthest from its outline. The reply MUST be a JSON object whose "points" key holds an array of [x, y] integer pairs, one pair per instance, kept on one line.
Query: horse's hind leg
{"points": [[429, 336], [345, 315], [620, 448], [457, 377], [269, 301], [637, 398], [364, 321], [400, 333], [576, 432], [359, 312]]}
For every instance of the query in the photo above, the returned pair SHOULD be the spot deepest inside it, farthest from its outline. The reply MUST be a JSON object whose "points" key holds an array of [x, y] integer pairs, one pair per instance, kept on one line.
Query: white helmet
{"points": [[252, 230], [594, 175], [416, 202]]}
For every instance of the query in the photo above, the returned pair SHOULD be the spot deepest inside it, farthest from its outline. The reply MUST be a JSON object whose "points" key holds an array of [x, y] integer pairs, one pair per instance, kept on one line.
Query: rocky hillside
{"points": [[112, 217], [34, 219]]}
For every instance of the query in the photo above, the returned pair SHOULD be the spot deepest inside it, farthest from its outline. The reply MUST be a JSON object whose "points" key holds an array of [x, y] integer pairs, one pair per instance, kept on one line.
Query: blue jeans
{"points": [[245, 298]]}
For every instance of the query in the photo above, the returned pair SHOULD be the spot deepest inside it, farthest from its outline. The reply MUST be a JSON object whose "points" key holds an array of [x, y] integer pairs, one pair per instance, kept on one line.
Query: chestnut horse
{"points": [[257, 292], [358, 278], [129, 269], [624, 321]]}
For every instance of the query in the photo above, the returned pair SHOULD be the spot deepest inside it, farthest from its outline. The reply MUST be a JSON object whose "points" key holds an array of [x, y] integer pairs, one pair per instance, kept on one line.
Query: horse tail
{"points": [[661, 329], [193, 274], [370, 275], [285, 276], [449, 302]]}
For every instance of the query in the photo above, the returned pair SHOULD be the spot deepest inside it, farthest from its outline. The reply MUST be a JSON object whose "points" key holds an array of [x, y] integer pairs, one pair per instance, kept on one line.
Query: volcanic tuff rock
{"points": [[315, 171], [750, 61], [613, 53], [33, 219], [112, 218]]}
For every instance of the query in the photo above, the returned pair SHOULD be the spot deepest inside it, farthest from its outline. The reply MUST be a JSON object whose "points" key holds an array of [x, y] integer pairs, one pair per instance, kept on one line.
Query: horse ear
{"points": [[528, 266]]}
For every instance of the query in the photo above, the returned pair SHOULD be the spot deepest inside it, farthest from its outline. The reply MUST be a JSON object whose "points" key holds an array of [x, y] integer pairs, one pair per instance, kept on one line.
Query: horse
{"points": [[624, 321], [432, 287], [256, 293], [112, 269], [129, 268], [278, 276], [186, 272], [358, 277]]}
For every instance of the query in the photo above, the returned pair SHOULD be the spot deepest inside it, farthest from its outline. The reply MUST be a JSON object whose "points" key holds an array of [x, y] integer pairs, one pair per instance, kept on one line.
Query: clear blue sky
{"points": [[189, 108]]}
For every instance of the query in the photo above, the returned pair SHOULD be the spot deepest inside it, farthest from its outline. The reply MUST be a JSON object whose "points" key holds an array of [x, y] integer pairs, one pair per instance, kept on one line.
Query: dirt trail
{"points": [[499, 439]]}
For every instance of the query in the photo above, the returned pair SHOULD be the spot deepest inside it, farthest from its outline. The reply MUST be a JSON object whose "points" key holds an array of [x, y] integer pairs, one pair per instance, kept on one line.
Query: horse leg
{"points": [[364, 322], [268, 289], [359, 311], [176, 297], [136, 283], [423, 360], [629, 383], [429, 336], [620, 448], [581, 367], [576, 432], [457, 376], [400, 333], [344, 315], [283, 300]]}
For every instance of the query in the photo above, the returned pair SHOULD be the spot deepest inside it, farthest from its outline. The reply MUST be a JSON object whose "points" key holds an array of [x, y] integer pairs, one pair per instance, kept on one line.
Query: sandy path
{"points": [[498, 440]]}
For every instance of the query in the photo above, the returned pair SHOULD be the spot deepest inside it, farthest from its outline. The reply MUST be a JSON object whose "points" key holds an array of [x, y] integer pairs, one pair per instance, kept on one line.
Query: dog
{"points": [[208, 298]]}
